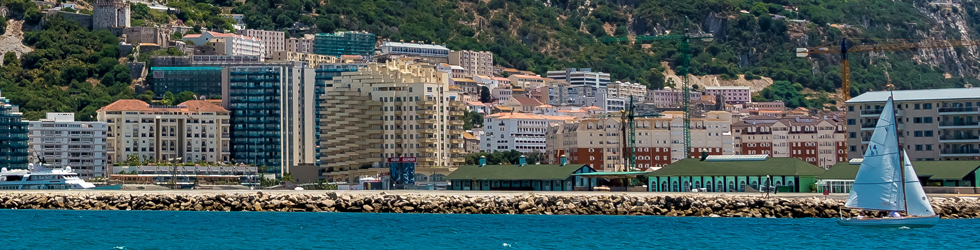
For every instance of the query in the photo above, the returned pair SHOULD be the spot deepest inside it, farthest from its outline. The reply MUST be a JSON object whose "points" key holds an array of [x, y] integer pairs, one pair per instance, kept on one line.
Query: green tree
{"points": [[168, 98], [183, 97], [485, 95]]}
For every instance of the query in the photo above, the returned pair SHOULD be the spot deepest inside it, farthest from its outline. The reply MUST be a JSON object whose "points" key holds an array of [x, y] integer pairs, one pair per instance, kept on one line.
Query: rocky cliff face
{"points": [[950, 24]]}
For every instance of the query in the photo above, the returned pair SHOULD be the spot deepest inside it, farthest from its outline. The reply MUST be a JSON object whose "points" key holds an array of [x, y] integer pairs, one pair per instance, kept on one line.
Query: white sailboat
{"points": [[883, 183]]}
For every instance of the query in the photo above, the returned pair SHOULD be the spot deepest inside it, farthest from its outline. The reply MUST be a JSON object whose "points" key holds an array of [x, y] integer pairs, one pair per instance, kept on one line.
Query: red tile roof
{"points": [[528, 101], [193, 106]]}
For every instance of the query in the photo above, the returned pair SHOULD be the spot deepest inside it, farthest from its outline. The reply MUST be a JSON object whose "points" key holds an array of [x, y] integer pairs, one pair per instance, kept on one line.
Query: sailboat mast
{"points": [[901, 164]]}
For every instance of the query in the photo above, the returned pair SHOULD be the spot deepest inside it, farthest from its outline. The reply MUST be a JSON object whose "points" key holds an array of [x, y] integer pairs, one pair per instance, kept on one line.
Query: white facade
{"points": [[273, 40], [625, 90], [63, 142], [517, 131], [414, 49], [235, 45]]}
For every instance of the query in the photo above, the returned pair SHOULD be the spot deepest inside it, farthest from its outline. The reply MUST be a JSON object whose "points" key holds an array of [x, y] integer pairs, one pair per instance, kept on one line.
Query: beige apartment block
{"points": [[195, 130], [473, 62], [300, 45], [273, 40], [933, 124], [402, 109], [312, 60]]}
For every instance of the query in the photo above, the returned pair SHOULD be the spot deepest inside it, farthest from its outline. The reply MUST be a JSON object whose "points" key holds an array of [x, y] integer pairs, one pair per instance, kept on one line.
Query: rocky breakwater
{"points": [[694, 205]]}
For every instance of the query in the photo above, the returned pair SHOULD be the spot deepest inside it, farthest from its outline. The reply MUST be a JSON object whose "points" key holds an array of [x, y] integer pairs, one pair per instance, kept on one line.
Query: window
{"points": [[927, 133], [853, 149], [927, 120], [918, 147], [929, 147], [917, 106], [917, 120], [851, 122], [853, 135], [918, 133], [850, 108]]}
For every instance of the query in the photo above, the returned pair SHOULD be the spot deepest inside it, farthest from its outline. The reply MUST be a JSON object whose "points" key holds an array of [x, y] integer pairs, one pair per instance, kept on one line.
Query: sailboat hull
{"points": [[910, 222]]}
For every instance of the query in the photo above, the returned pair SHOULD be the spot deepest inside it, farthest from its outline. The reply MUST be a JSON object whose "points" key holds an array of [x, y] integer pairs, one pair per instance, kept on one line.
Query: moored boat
{"points": [[40, 177]]}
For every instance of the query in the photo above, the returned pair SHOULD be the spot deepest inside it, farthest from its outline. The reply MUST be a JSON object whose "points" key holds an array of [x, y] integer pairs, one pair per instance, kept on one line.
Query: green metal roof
{"points": [[781, 166], [514, 172], [935, 170], [609, 173]]}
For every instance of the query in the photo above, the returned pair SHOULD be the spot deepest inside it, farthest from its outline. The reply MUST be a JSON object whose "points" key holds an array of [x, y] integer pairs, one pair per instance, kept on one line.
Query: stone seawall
{"points": [[683, 205]]}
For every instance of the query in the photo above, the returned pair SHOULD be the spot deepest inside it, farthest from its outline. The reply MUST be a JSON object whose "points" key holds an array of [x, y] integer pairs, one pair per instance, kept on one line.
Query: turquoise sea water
{"points": [[58, 229]]}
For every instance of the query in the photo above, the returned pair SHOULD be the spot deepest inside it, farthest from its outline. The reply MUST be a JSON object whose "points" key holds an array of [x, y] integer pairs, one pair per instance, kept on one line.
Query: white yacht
{"points": [[40, 177]]}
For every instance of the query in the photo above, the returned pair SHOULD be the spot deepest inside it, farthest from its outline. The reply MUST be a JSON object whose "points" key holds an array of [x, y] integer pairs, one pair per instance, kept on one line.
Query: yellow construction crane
{"points": [[844, 48]]}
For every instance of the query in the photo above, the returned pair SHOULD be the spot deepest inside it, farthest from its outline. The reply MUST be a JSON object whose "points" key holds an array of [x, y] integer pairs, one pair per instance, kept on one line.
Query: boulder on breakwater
{"points": [[684, 205]]}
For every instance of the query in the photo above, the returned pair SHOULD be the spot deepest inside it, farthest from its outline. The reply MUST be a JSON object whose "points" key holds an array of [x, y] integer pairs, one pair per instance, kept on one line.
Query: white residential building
{"points": [[625, 90], [517, 131], [414, 49], [63, 142], [233, 45], [273, 40]]}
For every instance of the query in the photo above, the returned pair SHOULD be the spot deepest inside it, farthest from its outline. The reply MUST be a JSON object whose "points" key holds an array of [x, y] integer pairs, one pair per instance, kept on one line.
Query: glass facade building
{"points": [[255, 98], [344, 43], [13, 137], [203, 81], [325, 74]]}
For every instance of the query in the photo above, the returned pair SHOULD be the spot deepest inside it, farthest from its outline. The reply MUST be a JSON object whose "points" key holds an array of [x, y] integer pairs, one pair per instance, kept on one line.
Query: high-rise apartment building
{"points": [[272, 115], [933, 124], [63, 142], [817, 141], [195, 130], [474, 62], [396, 109], [13, 136], [344, 43], [273, 40], [598, 142]]}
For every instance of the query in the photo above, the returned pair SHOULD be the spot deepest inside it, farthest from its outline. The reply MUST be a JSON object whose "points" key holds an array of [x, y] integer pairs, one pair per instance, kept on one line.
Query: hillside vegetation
{"points": [[548, 35]]}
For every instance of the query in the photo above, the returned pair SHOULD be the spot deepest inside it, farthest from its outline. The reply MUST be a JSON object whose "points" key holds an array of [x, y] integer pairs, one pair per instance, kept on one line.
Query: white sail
{"points": [[918, 203], [878, 182]]}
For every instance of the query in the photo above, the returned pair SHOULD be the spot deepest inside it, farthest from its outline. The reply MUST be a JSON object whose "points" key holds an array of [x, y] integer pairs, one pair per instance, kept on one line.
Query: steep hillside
{"points": [[543, 35]]}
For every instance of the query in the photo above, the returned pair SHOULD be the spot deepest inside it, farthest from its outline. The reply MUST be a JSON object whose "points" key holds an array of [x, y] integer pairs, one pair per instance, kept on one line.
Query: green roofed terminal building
{"points": [[561, 177], [956, 177], [735, 173]]}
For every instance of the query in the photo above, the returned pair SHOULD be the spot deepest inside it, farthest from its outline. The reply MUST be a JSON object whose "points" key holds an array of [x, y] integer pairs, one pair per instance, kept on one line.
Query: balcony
{"points": [[958, 124], [958, 138], [877, 112], [959, 110], [959, 152]]}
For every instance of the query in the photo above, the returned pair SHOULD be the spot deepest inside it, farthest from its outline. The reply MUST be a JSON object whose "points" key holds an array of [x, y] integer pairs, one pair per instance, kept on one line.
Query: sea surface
{"points": [[60, 229]]}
